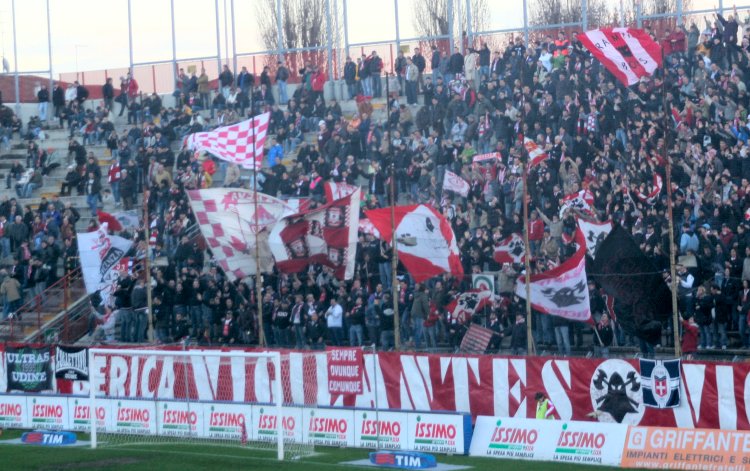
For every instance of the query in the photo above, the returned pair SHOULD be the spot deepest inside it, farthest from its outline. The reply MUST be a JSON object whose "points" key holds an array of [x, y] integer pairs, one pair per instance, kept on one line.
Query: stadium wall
{"points": [[712, 395]]}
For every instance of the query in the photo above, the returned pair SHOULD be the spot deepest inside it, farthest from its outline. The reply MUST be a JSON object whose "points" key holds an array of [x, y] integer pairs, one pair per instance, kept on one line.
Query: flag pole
{"points": [[670, 213], [394, 243], [530, 346], [147, 264], [258, 276]]}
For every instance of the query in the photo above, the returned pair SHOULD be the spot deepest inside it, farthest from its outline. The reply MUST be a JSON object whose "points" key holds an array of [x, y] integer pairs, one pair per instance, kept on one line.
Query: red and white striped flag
{"points": [[628, 53], [235, 143], [336, 191], [536, 154], [456, 184]]}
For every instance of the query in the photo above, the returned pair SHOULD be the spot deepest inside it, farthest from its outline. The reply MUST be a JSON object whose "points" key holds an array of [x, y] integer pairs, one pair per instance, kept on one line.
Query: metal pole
{"points": [[398, 35], [721, 7], [525, 22], [146, 265], [329, 29], [279, 30], [50, 109], [638, 15], [258, 275], [530, 346], [234, 39], [670, 212], [15, 61], [226, 32], [218, 38], [394, 242], [468, 24], [130, 37], [174, 46], [584, 15], [622, 14], [346, 31], [680, 7], [450, 25], [459, 25]]}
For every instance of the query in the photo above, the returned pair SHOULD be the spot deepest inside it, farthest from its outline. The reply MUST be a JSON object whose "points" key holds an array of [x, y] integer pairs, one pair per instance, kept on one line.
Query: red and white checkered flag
{"points": [[235, 143]]}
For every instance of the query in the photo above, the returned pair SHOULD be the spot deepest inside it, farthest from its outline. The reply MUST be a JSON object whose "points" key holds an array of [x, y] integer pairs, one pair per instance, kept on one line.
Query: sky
{"points": [[93, 34]]}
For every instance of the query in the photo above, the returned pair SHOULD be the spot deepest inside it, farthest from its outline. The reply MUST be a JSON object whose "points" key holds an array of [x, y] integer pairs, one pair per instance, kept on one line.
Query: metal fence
{"points": [[159, 76]]}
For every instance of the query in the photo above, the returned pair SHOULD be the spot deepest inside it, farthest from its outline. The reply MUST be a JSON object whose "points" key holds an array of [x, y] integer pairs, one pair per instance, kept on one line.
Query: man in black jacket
{"points": [[108, 94], [43, 97]]}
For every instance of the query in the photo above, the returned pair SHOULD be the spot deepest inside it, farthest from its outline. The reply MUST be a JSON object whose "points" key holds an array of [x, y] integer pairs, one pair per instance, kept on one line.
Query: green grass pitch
{"points": [[202, 456]]}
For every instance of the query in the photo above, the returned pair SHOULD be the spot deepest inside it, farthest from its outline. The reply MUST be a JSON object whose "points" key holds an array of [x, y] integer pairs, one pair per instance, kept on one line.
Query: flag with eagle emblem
{"points": [[510, 250], [562, 291], [228, 222], [594, 233], [426, 242]]}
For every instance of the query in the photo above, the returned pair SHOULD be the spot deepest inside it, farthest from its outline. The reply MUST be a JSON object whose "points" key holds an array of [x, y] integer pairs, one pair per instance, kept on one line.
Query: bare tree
{"points": [[303, 25], [431, 17], [553, 12]]}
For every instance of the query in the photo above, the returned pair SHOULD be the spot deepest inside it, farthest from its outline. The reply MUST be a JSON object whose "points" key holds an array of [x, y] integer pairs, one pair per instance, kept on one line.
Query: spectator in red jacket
{"points": [[689, 336], [536, 231]]}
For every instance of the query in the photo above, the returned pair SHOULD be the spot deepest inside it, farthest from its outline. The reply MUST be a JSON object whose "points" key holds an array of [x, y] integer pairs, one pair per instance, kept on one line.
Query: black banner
{"points": [[642, 297], [29, 369], [72, 363]]}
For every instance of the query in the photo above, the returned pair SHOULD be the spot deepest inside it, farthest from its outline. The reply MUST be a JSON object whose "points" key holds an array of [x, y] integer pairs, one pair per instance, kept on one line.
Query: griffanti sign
{"points": [[227, 421], [328, 427], [381, 430]]}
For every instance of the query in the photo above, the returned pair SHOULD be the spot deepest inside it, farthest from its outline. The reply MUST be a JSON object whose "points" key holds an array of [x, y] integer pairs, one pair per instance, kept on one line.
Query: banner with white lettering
{"points": [[345, 366], [72, 363], [28, 369], [604, 390]]}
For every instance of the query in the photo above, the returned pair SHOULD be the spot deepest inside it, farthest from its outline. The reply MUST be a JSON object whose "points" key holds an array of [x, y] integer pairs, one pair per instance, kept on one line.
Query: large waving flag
{"points": [[235, 143], [326, 235], [228, 222], [336, 191], [628, 53], [426, 242], [582, 201], [536, 154], [594, 233], [510, 250], [456, 184], [562, 291], [653, 196], [468, 303], [100, 254]]}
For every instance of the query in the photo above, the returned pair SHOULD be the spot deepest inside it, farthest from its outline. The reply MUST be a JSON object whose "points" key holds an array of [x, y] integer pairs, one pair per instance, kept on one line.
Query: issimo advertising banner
{"points": [[328, 427], [180, 419], [227, 421], [49, 412], [265, 424], [13, 412], [713, 395], [438, 433], [549, 440], [669, 448], [381, 430], [80, 413]]}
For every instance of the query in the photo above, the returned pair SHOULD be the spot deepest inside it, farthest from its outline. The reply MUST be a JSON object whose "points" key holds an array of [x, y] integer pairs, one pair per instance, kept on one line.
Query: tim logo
{"points": [[402, 459]]}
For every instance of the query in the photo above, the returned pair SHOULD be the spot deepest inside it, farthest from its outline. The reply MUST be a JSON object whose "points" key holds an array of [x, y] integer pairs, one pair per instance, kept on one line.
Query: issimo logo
{"points": [[182, 420], [225, 421], [373, 427], [580, 443], [46, 413], [82, 414], [267, 424], [133, 418], [513, 438], [435, 433], [10, 412], [327, 427]]}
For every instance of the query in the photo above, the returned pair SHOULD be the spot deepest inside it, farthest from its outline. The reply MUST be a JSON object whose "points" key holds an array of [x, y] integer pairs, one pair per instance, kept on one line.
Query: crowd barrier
{"points": [[611, 444], [338, 427]]}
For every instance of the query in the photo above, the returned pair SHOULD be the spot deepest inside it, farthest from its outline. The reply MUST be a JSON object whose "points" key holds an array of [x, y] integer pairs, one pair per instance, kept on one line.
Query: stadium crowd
{"points": [[598, 134]]}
